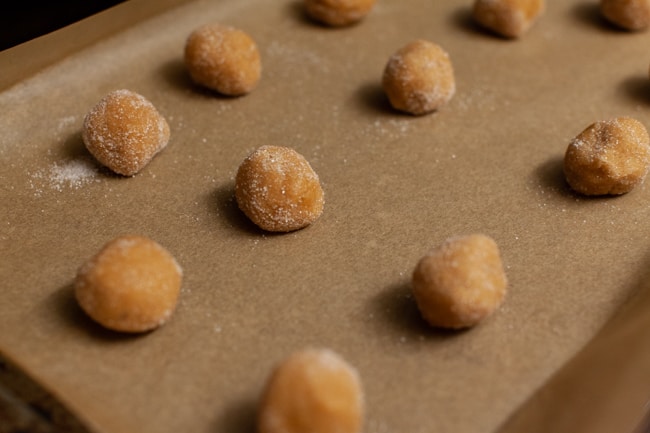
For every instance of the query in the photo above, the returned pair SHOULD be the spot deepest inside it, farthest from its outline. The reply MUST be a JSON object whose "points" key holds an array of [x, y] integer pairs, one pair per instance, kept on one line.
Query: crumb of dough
{"points": [[610, 157], [124, 131], [508, 18], [419, 78], [631, 15], [314, 391], [278, 190], [338, 13], [224, 59], [131, 285], [459, 283]]}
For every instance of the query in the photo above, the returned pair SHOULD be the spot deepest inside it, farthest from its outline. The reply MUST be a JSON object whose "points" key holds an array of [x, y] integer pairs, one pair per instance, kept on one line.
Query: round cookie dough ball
{"points": [[610, 157], [461, 282], [124, 131], [419, 78], [131, 285], [508, 18], [314, 391], [627, 14], [337, 13], [278, 190], [224, 59]]}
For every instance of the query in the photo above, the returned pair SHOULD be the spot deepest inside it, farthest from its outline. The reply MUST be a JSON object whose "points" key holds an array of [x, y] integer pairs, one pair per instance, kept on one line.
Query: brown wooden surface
{"points": [[25, 407]]}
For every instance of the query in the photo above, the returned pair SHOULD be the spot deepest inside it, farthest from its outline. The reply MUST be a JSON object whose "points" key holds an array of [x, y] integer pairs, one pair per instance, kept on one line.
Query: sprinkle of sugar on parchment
{"points": [[70, 174], [302, 56], [65, 123], [388, 129]]}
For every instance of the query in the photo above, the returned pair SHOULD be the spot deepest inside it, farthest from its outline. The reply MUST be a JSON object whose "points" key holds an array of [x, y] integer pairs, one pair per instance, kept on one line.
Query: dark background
{"points": [[25, 20]]}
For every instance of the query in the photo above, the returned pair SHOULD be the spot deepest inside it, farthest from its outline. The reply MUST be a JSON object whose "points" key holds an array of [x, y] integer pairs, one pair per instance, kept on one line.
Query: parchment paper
{"points": [[395, 186]]}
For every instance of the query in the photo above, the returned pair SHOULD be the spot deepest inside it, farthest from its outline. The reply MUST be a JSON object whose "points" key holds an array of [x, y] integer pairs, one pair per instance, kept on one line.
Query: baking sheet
{"points": [[395, 186], [24, 60]]}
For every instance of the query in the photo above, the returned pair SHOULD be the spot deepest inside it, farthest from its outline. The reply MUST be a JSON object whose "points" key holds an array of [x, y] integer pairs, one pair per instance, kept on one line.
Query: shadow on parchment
{"points": [[222, 199], [637, 89], [65, 306], [175, 74], [372, 97], [296, 9], [396, 307], [588, 14], [224, 206], [74, 149], [238, 417], [550, 175], [463, 20]]}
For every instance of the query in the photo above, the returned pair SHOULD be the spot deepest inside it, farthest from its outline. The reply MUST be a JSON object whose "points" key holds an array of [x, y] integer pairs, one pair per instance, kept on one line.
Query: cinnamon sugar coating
{"points": [[338, 13], [508, 18], [631, 15], [278, 190], [224, 59], [419, 78], [609, 157], [312, 391], [124, 131], [131, 285], [459, 283]]}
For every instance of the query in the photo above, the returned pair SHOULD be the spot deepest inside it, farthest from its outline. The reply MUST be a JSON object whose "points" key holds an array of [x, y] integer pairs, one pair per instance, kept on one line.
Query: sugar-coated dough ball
{"points": [[419, 78], [508, 18], [627, 14], [224, 59], [312, 391], [609, 157], [278, 190], [337, 13], [460, 282], [131, 285], [124, 131]]}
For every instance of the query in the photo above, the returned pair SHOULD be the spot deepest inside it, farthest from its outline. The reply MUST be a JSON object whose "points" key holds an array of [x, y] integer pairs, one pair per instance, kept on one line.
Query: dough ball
{"points": [[419, 78], [461, 282], [124, 131], [609, 157], [131, 285], [224, 59], [312, 391], [508, 18], [627, 14], [337, 13], [278, 190]]}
